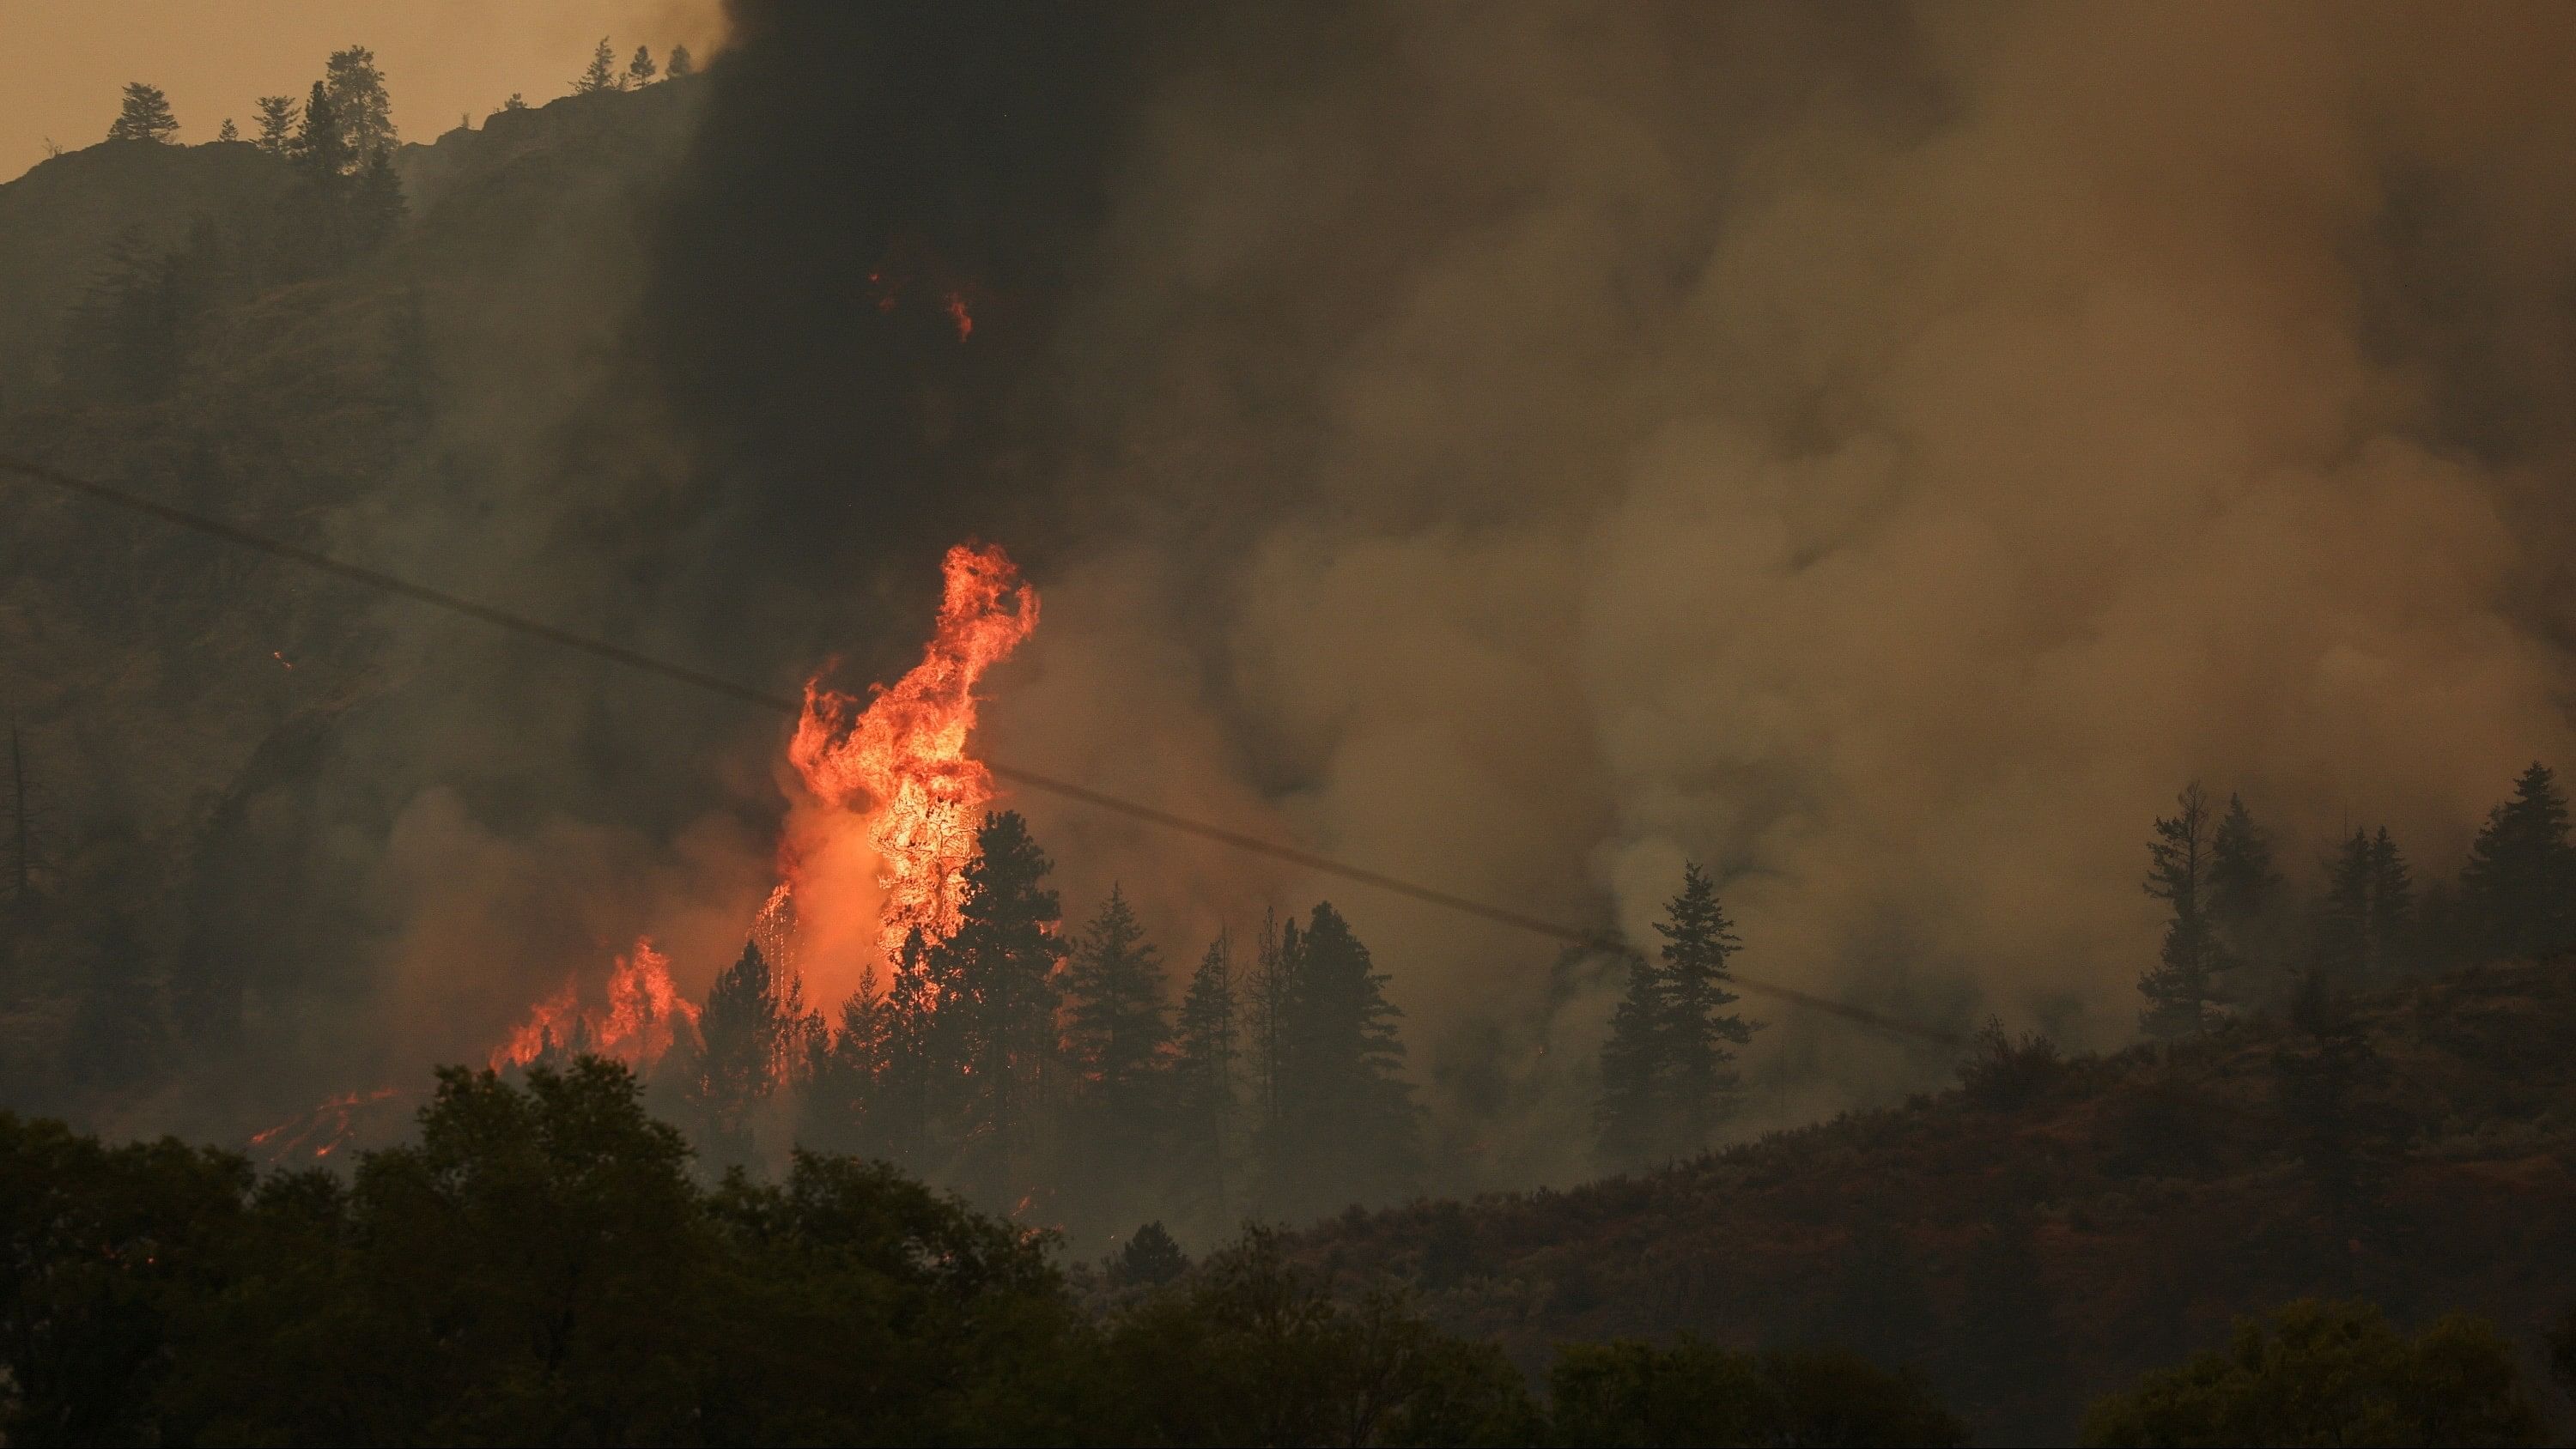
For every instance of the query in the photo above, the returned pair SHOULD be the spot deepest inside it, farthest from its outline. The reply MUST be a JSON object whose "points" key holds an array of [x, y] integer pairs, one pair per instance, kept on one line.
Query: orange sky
{"points": [[69, 60]]}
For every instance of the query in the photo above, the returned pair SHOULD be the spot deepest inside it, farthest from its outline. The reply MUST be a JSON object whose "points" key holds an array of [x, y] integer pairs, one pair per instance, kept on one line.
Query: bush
{"points": [[2331, 1373], [1632, 1393], [2002, 1074]]}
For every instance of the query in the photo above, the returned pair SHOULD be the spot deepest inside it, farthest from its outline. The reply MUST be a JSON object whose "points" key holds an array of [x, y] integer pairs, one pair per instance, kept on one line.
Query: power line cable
{"points": [[1031, 779]]}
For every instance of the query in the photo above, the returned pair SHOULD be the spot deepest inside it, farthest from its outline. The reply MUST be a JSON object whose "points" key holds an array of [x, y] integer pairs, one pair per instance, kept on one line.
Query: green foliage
{"points": [[100, 1247], [1693, 1392], [1000, 975], [2331, 1373], [1252, 1350], [1117, 1030], [746, 1033]]}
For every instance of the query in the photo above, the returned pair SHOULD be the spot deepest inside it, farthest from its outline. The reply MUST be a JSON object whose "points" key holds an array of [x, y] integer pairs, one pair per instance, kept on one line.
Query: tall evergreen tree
{"points": [[2343, 922], [744, 1031], [2519, 890], [278, 117], [639, 70], [145, 116], [228, 131], [1117, 1028], [1348, 1127], [1266, 1014], [1203, 1074], [2321, 1077], [1699, 1035], [321, 146], [918, 1062], [360, 106], [2245, 891], [682, 63], [2182, 990], [841, 1072], [2392, 909], [1630, 1123], [602, 74], [1000, 970]]}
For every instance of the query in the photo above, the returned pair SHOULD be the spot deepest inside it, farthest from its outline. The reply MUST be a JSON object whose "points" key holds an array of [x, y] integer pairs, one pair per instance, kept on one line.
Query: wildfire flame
{"points": [[641, 1022], [323, 1129], [900, 766]]}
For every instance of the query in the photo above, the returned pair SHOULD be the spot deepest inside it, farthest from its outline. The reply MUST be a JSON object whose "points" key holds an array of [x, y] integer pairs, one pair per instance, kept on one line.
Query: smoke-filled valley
{"points": [[1810, 505]]}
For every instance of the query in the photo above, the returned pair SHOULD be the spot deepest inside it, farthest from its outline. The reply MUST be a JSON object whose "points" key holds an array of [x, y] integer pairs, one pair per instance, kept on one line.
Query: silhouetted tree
{"points": [[2321, 1077], [1117, 1029], [745, 1029], [1203, 1074], [278, 116], [2520, 886], [1699, 1034], [228, 131], [360, 107], [999, 976], [681, 63], [1630, 1124], [145, 116], [841, 1074], [2244, 890], [1150, 1258], [602, 74], [639, 70], [1347, 1126], [2182, 991]]}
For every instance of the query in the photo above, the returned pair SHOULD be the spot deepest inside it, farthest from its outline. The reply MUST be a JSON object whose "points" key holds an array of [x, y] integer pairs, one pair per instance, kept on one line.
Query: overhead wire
{"points": [[1029, 779]]}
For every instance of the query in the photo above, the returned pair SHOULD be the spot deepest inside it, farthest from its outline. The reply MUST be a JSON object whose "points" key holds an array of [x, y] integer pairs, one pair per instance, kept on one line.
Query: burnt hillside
{"points": [[2036, 1254]]}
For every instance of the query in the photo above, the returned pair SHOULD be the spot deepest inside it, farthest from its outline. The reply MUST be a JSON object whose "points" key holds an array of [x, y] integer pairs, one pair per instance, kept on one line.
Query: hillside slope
{"points": [[2033, 1256]]}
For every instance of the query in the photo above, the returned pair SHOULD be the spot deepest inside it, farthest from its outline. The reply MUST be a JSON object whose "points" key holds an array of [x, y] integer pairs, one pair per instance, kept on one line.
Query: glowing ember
{"points": [[322, 1130], [642, 1020], [900, 764], [958, 314]]}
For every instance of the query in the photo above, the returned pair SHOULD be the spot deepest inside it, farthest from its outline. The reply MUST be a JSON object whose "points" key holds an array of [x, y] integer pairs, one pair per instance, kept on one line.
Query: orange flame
{"points": [[323, 1129], [900, 766], [642, 1021]]}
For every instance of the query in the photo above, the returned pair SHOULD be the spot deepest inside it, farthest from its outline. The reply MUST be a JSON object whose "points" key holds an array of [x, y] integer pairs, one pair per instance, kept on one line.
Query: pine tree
{"points": [[228, 131], [1698, 1033], [1266, 1010], [602, 74], [2343, 925], [2320, 1079], [1203, 1073], [745, 1032], [639, 71], [1001, 983], [840, 1077], [1117, 1028], [360, 106], [321, 145], [2244, 890], [2182, 991], [145, 116], [913, 1066], [278, 116], [2392, 910], [1630, 1123], [2522, 873], [1348, 1127], [681, 63]]}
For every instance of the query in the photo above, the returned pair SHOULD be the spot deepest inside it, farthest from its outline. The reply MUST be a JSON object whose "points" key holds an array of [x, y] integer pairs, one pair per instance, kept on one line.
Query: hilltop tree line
{"points": [[2237, 936]]}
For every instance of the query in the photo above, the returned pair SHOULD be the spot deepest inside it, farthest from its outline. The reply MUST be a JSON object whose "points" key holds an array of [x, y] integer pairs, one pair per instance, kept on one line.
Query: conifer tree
{"points": [[360, 106], [1203, 1072], [1117, 1028], [1699, 1034], [681, 63], [1630, 1122], [278, 116], [2182, 991], [321, 146], [376, 205], [2392, 909], [2321, 1078], [840, 1077], [1000, 970], [602, 74], [2522, 873], [1266, 1010], [639, 70], [916, 1060], [2343, 925], [2244, 890], [145, 116], [744, 1033], [1348, 1127], [228, 131]]}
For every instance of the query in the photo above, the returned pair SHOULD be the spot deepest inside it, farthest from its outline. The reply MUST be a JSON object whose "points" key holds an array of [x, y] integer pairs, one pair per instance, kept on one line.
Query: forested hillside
{"points": [[2052, 1227]]}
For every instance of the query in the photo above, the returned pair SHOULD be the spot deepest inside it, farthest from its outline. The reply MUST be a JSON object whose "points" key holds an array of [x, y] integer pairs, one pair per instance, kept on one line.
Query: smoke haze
{"points": [[1879, 453]]}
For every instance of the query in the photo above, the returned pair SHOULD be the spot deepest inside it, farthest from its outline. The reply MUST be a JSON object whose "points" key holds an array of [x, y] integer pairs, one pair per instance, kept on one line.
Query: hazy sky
{"points": [[70, 59]]}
